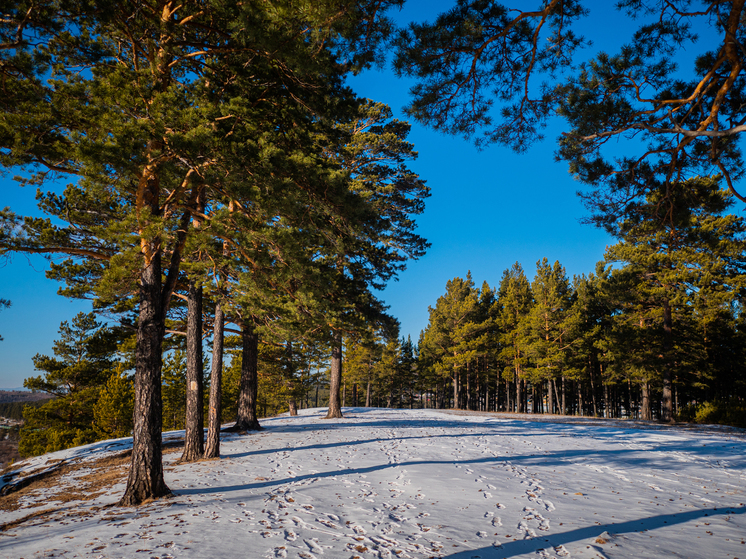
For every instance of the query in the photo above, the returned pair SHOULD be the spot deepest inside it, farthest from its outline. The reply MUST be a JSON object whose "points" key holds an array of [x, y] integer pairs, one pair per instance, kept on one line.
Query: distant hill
{"points": [[10, 396]]}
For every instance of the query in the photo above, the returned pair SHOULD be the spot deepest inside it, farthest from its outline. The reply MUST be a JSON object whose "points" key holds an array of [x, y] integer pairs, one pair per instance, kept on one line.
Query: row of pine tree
{"points": [[657, 331]]}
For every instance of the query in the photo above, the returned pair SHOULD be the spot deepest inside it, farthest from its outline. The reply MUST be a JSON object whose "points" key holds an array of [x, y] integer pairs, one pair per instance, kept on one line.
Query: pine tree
{"points": [[146, 134], [547, 330], [681, 254], [452, 334], [514, 304], [115, 406], [83, 361]]}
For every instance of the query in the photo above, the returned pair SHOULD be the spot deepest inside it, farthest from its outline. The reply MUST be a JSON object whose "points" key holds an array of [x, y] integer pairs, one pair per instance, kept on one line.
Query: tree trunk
{"points": [[667, 403], [469, 398], [455, 388], [195, 429], [550, 396], [290, 374], [145, 480], [246, 419], [212, 448], [647, 410], [563, 407], [354, 394], [335, 410], [367, 390], [508, 406]]}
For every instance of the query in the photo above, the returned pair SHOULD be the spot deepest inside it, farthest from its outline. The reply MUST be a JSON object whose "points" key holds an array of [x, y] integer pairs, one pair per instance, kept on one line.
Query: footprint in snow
{"points": [[290, 535], [313, 545]]}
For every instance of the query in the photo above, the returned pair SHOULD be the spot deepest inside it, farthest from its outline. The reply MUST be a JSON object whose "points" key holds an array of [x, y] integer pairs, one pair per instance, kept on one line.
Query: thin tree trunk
{"points": [[469, 398], [550, 396], [194, 425], [563, 407], [455, 388], [246, 419], [354, 394], [667, 403], [367, 390], [335, 410], [290, 374], [212, 447]]}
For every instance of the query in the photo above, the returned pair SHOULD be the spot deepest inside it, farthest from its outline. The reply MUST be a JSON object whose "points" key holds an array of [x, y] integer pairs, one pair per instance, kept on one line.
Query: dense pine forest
{"points": [[233, 209]]}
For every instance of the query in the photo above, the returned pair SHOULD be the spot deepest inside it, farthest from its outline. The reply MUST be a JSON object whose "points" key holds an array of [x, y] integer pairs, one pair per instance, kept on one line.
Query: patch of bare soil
{"points": [[104, 473]]}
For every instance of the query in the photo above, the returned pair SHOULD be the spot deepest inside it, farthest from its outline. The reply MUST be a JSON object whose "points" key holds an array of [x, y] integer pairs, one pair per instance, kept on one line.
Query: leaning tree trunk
{"points": [[335, 410], [246, 419], [212, 448], [195, 428], [145, 479]]}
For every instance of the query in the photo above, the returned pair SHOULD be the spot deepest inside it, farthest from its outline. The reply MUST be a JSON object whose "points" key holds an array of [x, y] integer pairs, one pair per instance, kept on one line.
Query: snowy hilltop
{"points": [[397, 484]]}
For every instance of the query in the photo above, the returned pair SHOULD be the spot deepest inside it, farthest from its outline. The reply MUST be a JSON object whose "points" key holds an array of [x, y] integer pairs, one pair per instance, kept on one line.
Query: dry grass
{"points": [[65, 483]]}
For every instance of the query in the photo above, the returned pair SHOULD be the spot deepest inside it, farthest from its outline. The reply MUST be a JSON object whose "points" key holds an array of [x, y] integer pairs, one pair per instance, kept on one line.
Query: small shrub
{"points": [[728, 412]]}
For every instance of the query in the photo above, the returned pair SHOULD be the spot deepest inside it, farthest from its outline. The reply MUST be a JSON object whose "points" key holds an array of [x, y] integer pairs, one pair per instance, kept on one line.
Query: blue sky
{"points": [[488, 209]]}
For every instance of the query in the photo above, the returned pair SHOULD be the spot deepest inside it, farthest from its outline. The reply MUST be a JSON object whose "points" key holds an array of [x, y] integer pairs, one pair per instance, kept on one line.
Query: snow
{"points": [[409, 484]]}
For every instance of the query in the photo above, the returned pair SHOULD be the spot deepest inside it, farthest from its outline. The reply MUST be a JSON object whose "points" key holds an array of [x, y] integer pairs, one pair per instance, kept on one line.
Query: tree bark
{"points": [[335, 409], [248, 387], [145, 480], [290, 374], [195, 428], [367, 390], [647, 410], [667, 403], [212, 448]]}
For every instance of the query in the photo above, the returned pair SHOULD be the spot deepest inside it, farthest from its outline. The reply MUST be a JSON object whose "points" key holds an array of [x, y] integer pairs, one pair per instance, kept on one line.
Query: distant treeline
{"points": [[14, 410], [7, 396]]}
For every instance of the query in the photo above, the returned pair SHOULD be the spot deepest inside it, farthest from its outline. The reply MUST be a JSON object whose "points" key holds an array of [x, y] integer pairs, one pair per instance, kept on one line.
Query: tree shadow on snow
{"points": [[532, 545]]}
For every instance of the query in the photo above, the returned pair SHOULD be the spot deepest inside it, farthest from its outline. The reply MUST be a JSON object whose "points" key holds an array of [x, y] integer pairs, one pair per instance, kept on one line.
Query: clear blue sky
{"points": [[488, 210]]}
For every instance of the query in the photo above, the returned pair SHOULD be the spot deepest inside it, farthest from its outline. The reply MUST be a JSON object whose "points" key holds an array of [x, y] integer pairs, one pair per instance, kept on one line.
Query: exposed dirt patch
{"points": [[104, 473]]}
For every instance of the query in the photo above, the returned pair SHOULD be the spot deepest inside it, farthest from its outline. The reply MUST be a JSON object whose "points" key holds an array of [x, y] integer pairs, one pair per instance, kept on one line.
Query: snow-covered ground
{"points": [[401, 483]]}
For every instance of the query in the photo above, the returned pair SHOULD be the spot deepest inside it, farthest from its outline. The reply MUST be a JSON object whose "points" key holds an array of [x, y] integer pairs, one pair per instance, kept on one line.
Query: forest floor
{"points": [[398, 484]]}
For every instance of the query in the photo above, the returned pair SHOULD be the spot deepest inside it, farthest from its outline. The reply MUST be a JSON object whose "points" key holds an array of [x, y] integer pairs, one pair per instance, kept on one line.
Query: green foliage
{"points": [[115, 406], [728, 412], [83, 362], [173, 390], [499, 72]]}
